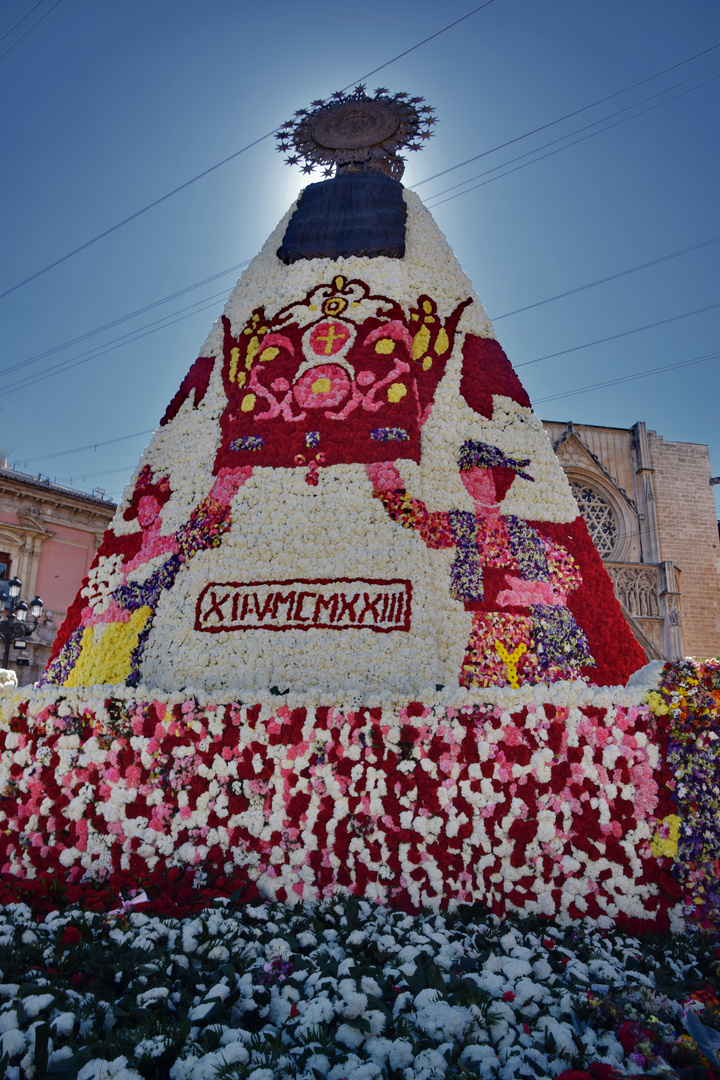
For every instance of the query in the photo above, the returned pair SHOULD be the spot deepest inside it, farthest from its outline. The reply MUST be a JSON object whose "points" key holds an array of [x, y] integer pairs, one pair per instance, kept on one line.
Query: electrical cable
{"points": [[212, 168], [22, 19], [610, 277], [539, 303], [614, 337], [577, 131], [76, 449], [628, 378], [125, 339], [101, 350], [414, 47], [79, 477], [230, 269], [567, 116], [18, 40], [551, 153], [124, 318]]}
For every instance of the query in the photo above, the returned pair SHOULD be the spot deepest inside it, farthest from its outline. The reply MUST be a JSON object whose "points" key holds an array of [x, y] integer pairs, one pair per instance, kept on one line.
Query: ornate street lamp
{"points": [[14, 626]]}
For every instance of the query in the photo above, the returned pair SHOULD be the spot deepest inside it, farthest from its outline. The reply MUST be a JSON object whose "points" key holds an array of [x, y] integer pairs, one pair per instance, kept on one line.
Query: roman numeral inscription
{"points": [[302, 604]]}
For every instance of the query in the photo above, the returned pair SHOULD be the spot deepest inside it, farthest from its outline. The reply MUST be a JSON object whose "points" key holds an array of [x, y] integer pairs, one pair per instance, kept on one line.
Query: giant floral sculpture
{"points": [[347, 628]]}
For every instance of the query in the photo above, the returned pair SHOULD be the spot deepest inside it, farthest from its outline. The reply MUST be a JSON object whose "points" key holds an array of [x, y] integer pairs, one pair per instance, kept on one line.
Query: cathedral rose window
{"points": [[598, 516]]}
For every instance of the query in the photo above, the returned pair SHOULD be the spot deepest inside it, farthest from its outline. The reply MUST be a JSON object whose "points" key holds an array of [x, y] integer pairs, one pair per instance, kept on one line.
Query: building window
{"points": [[599, 518], [4, 566]]}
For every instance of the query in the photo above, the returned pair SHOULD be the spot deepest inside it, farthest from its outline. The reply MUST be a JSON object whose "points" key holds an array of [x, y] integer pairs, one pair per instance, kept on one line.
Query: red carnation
{"points": [[600, 1071], [630, 1034], [508, 996], [294, 1011], [70, 936]]}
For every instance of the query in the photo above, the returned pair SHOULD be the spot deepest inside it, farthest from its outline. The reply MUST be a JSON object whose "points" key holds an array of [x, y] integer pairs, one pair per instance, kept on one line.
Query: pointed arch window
{"points": [[599, 518]]}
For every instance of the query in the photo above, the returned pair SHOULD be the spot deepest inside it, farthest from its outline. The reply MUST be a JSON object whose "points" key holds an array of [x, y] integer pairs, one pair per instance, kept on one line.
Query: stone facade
{"points": [[48, 538], [650, 510]]}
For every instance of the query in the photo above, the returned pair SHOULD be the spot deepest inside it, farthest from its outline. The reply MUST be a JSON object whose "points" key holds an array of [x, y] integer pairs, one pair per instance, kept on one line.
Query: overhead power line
{"points": [[78, 477], [25, 34], [610, 277], [78, 449], [575, 142], [123, 318], [423, 42], [127, 339], [568, 116], [614, 337], [577, 131], [539, 303], [101, 350], [242, 150], [21, 20], [628, 378], [218, 165]]}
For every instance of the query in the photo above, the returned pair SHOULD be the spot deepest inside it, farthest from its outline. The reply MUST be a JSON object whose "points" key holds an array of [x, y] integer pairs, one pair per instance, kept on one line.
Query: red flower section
{"points": [[414, 806], [595, 607], [487, 371], [343, 371], [70, 936], [195, 382]]}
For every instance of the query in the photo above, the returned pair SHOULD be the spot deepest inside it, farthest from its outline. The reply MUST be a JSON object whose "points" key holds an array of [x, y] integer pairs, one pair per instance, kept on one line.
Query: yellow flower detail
{"points": [[334, 306], [234, 357], [510, 661], [385, 345], [442, 344], [667, 845], [321, 386], [248, 403], [269, 354], [656, 703], [397, 391], [252, 352], [421, 342], [106, 651]]}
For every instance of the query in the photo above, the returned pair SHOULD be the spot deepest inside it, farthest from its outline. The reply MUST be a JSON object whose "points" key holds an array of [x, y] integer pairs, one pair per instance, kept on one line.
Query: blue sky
{"points": [[114, 105]]}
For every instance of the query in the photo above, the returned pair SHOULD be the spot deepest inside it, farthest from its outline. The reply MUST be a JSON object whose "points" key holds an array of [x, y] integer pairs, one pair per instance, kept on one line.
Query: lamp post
{"points": [[14, 625]]}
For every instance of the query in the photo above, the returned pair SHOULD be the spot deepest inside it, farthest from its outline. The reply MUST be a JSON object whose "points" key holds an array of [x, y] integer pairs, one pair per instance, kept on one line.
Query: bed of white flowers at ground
{"points": [[344, 991]]}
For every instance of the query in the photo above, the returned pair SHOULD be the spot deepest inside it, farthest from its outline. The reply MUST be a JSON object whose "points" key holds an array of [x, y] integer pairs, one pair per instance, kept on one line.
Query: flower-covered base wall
{"points": [[552, 807]]}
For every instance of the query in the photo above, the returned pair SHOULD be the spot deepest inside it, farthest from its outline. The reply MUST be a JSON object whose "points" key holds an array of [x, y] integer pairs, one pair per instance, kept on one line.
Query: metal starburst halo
{"points": [[356, 132]]}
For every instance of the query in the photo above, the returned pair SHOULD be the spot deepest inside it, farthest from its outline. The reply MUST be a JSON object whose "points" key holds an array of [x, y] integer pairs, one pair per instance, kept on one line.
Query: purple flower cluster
{"points": [[528, 549], [483, 456], [389, 434], [147, 593], [247, 442], [57, 672], [558, 640], [692, 692], [466, 582]]}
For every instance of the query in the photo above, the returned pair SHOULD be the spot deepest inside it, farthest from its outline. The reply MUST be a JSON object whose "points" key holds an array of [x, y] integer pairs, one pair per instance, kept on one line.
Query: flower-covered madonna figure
{"points": [[353, 385]]}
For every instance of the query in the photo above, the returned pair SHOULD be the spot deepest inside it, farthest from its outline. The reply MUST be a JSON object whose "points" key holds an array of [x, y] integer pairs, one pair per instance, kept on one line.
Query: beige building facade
{"points": [[48, 538], [650, 510]]}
